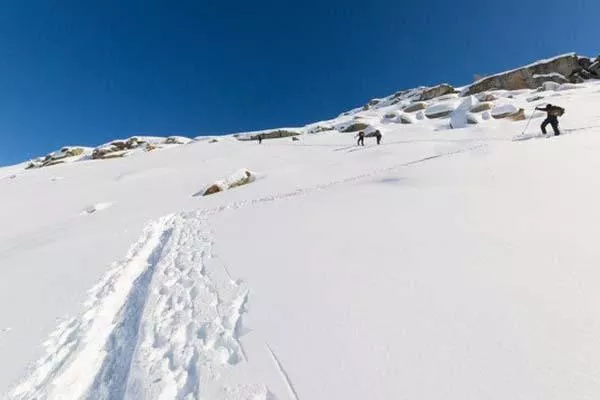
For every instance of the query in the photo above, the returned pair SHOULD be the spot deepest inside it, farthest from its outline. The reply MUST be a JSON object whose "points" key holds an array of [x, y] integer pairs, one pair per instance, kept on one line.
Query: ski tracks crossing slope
{"points": [[164, 322]]}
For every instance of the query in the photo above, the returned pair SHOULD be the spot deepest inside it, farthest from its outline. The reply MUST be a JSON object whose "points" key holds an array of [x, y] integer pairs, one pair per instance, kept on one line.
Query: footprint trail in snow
{"points": [[162, 324]]}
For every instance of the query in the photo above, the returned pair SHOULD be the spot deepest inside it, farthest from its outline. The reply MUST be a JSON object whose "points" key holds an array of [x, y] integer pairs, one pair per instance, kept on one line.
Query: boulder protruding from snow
{"points": [[481, 107], [440, 110], [436, 91], [508, 111], [239, 178], [415, 107]]}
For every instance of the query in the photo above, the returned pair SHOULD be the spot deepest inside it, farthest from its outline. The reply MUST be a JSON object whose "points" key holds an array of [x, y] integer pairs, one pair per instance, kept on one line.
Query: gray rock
{"points": [[477, 108], [359, 126], [523, 78], [436, 91], [415, 107], [595, 68]]}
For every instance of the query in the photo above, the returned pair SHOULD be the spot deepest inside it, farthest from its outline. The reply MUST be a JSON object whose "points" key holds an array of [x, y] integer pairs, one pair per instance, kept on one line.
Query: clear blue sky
{"points": [[85, 72]]}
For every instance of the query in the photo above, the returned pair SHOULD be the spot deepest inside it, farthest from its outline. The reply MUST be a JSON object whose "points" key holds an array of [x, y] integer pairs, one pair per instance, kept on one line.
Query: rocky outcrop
{"points": [[177, 140], [532, 76], [359, 126], [116, 148], [595, 68], [104, 153], [436, 91], [415, 107], [481, 107], [276, 134], [55, 158], [320, 128], [372, 103], [538, 80], [280, 133]]}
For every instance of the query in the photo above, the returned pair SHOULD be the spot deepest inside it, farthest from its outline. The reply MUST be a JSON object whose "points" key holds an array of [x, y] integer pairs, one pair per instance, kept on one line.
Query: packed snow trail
{"points": [[165, 321], [176, 324]]}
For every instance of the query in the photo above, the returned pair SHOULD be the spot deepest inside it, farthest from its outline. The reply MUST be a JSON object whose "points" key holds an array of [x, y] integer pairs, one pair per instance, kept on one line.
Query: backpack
{"points": [[556, 111]]}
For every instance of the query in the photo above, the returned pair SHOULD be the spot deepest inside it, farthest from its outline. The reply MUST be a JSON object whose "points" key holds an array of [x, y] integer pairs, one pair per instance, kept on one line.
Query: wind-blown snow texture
{"points": [[454, 264]]}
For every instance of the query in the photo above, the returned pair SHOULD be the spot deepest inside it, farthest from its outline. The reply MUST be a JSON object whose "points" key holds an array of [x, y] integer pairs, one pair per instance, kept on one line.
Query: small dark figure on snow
{"points": [[553, 113], [378, 136], [259, 139], [361, 139]]}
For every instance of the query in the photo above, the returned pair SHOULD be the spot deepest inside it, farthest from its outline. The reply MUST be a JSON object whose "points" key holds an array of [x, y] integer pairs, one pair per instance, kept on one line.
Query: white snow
{"points": [[503, 109], [442, 264], [458, 118], [550, 75]]}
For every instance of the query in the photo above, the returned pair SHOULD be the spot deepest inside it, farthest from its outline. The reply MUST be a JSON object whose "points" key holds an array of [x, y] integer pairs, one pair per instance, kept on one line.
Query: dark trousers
{"points": [[361, 141], [378, 139], [553, 121]]}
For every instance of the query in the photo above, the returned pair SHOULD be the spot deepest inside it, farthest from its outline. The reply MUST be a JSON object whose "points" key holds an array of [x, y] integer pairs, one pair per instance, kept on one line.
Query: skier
{"points": [[378, 136], [259, 139], [361, 139], [553, 113]]}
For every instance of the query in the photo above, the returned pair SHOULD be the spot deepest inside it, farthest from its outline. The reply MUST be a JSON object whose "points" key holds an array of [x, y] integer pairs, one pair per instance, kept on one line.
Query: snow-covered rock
{"points": [[440, 110], [415, 107], [458, 118], [239, 178], [480, 107], [177, 140], [508, 111], [548, 86]]}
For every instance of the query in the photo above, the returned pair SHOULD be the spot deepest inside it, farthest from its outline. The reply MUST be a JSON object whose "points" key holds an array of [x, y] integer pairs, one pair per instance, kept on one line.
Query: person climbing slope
{"points": [[361, 139], [553, 113], [378, 136]]}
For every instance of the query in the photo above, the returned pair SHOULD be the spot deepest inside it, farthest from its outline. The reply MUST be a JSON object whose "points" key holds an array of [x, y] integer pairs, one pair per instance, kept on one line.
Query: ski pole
{"points": [[528, 121]]}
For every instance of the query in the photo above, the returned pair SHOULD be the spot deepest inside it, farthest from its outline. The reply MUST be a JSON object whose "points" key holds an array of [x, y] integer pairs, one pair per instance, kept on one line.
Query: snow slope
{"points": [[454, 264]]}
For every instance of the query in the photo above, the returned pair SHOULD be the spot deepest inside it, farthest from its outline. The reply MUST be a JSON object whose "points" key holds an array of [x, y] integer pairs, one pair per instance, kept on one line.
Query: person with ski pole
{"points": [[553, 112]]}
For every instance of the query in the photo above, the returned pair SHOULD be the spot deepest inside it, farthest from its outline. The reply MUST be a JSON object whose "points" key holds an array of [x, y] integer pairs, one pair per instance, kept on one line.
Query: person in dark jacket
{"points": [[378, 136], [361, 139], [553, 113], [259, 139]]}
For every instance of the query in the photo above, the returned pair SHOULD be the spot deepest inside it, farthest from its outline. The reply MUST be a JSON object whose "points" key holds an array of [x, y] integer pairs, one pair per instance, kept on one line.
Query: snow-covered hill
{"points": [[448, 262]]}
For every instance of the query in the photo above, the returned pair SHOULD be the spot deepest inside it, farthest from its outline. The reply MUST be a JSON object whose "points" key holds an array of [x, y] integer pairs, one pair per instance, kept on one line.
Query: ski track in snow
{"points": [[165, 321], [284, 374]]}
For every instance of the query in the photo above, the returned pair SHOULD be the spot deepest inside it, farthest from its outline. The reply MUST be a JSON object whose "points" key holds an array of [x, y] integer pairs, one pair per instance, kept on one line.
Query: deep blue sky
{"points": [[85, 72]]}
